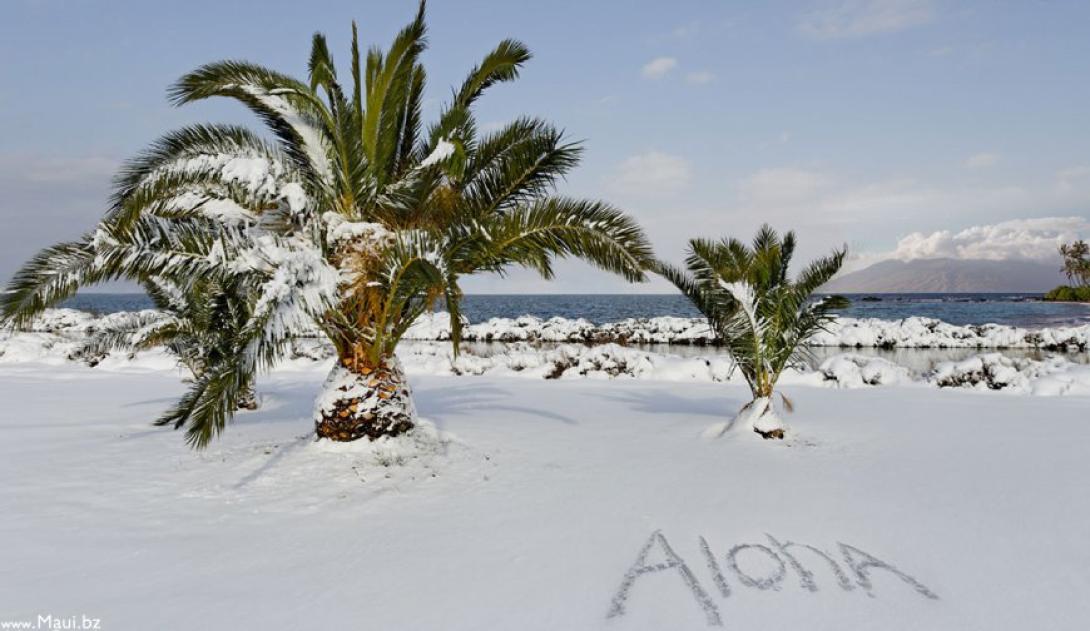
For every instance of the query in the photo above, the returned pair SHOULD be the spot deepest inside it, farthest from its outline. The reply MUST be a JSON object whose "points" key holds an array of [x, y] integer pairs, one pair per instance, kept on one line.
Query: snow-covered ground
{"points": [[542, 504], [530, 347], [845, 332]]}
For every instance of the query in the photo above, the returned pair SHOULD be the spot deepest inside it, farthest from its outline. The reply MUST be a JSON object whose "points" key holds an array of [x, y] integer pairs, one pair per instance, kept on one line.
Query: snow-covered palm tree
{"points": [[198, 326], [355, 218], [758, 313]]}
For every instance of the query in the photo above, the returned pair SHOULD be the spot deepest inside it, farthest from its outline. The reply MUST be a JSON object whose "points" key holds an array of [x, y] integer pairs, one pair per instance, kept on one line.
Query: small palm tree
{"points": [[356, 219], [198, 327], [761, 316]]}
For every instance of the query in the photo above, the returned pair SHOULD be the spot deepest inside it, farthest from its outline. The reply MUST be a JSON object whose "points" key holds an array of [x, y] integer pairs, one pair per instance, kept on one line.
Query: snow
{"points": [[543, 504], [850, 370], [443, 150], [301, 286], [370, 236], [343, 385], [538, 349], [314, 141], [843, 332], [256, 173], [295, 197]]}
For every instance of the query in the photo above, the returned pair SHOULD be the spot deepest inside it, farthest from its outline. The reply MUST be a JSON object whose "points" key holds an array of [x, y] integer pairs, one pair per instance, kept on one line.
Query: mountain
{"points": [[949, 276]]}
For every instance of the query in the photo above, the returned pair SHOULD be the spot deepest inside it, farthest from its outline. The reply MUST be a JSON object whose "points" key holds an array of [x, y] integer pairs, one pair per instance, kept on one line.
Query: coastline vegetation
{"points": [[1076, 266]]}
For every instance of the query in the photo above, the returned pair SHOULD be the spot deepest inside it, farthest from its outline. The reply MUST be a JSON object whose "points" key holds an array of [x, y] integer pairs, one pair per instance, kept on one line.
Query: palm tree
{"points": [[762, 317], [355, 219], [198, 327], [1076, 257]]}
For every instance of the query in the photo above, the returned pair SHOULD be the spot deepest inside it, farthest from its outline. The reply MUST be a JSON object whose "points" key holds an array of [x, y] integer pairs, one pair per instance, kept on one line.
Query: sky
{"points": [[900, 128]]}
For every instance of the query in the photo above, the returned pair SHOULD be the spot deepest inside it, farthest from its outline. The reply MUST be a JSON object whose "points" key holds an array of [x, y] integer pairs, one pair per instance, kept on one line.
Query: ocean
{"points": [[1025, 310]]}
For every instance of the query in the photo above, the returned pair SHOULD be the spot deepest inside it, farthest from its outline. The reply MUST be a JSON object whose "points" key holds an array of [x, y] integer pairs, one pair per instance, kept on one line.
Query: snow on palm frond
{"points": [[313, 141], [443, 150], [746, 300], [139, 331], [300, 286]]}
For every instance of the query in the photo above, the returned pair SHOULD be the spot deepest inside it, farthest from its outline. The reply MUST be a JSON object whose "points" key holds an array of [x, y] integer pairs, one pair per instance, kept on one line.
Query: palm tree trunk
{"points": [[247, 398], [361, 398], [759, 415]]}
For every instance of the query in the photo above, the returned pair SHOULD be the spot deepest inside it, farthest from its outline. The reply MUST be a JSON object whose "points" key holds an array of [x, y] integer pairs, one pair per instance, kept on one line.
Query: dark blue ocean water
{"points": [[1013, 309]]}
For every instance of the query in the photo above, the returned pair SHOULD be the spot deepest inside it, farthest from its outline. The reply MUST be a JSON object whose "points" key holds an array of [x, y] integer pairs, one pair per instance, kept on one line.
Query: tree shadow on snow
{"points": [[281, 453], [436, 403], [280, 404], [659, 401]]}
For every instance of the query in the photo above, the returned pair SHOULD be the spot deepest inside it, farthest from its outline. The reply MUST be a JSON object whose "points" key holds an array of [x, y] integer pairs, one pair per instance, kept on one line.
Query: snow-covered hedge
{"points": [[843, 333], [579, 349]]}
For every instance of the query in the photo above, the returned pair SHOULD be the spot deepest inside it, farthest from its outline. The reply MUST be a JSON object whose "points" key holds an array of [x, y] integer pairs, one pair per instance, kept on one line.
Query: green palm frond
{"points": [[559, 227], [53, 275], [523, 170], [289, 108], [139, 332], [501, 64]]}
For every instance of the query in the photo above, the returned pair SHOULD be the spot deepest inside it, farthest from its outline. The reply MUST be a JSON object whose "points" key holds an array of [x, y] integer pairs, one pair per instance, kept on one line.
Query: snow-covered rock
{"points": [[853, 371], [995, 371]]}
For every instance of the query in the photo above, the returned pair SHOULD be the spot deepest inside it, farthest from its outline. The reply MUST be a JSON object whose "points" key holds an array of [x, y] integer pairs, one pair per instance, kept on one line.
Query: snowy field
{"points": [[535, 503]]}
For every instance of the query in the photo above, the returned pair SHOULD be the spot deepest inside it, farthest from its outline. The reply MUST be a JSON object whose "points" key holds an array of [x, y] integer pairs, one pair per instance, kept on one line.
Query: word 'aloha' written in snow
{"points": [[782, 556]]}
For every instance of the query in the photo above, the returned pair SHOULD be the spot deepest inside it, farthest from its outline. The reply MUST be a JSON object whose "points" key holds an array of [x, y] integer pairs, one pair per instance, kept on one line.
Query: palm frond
{"points": [[290, 109], [560, 227], [53, 275], [501, 64]]}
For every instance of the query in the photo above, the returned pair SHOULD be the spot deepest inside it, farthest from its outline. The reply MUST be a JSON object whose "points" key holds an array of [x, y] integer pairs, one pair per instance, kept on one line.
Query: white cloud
{"points": [[1072, 179], [53, 169], [782, 186], [658, 67], [830, 209], [860, 18], [817, 198], [700, 77], [651, 173], [982, 160], [686, 31], [1022, 239]]}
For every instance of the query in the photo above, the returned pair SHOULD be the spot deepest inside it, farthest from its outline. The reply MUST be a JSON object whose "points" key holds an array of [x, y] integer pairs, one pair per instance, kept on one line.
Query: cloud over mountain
{"points": [[1019, 239]]}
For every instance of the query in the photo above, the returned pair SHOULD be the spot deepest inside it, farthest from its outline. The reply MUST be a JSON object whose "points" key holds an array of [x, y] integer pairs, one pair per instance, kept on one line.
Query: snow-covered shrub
{"points": [[853, 371]]}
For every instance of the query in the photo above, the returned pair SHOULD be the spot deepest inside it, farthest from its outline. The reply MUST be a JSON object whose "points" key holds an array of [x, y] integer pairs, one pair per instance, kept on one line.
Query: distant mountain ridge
{"points": [[949, 276]]}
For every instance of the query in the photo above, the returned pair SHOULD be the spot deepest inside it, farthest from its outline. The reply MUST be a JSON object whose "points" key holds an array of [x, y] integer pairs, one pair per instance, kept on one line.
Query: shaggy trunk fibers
{"points": [[360, 399], [247, 398]]}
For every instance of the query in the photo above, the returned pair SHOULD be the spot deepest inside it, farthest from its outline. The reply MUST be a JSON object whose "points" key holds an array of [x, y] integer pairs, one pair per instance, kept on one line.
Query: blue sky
{"points": [[899, 127]]}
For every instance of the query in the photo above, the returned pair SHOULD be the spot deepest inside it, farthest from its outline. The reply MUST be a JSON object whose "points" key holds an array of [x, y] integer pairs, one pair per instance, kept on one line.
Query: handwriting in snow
{"points": [[783, 557]]}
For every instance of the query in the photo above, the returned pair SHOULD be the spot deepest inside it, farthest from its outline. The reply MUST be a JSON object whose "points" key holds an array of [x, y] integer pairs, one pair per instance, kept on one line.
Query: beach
{"points": [[543, 504]]}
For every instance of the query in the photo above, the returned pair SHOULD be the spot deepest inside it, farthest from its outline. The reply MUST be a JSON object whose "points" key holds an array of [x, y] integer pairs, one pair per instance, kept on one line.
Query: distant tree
{"points": [[762, 317], [1076, 266]]}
